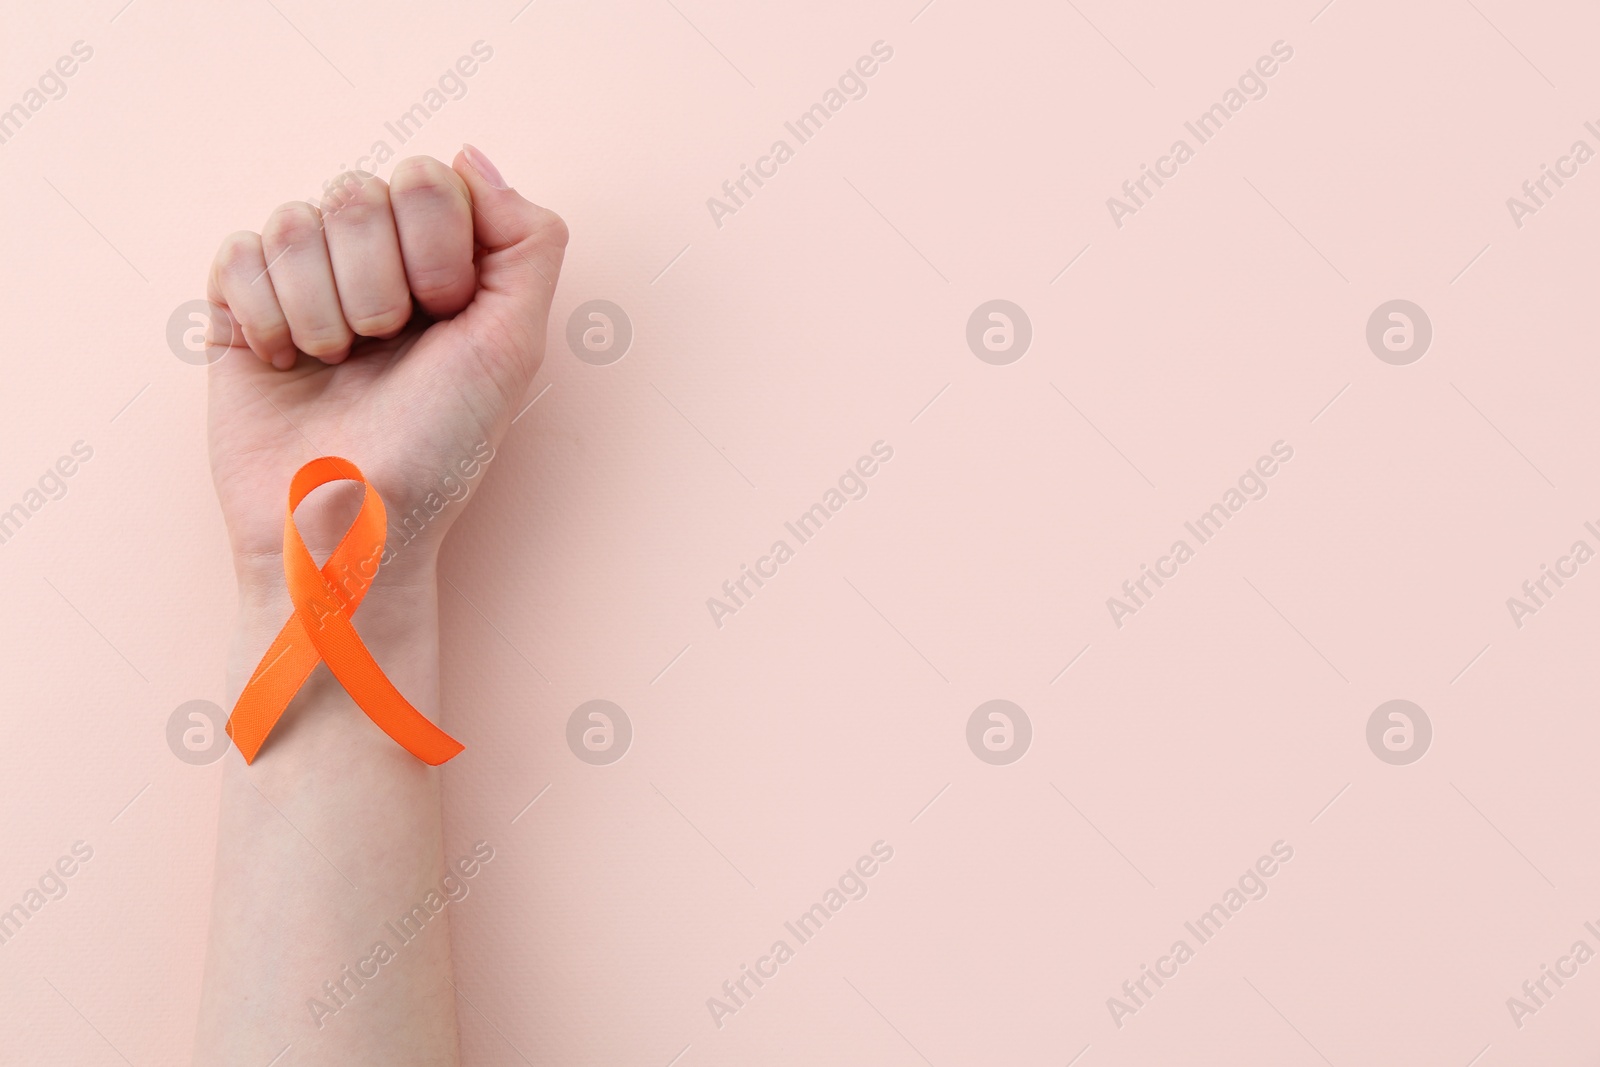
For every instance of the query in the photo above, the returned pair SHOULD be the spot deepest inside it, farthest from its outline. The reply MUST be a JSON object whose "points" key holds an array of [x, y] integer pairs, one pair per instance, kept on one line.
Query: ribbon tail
{"points": [[351, 663], [278, 677]]}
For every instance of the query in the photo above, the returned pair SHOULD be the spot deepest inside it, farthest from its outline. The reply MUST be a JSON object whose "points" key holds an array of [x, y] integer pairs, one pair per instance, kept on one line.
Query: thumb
{"points": [[522, 246]]}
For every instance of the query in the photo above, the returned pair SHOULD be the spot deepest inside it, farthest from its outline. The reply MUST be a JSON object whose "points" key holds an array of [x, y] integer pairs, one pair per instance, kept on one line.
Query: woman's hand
{"points": [[396, 327]]}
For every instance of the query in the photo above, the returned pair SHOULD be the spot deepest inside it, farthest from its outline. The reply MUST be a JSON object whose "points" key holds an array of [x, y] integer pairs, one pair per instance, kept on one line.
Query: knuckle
{"points": [[326, 341], [261, 321], [421, 175], [267, 335], [438, 281], [266, 338], [549, 229], [292, 223], [381, 324], [238, 252], [354, 195]]}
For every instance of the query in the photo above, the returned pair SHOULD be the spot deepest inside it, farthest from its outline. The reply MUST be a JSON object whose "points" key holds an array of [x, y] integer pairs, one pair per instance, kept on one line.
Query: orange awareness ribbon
{"points": [[319, 630]]}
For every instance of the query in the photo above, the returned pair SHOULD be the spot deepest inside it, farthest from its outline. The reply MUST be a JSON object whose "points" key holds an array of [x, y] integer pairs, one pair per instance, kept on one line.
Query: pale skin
{"points": [[398, 327]]}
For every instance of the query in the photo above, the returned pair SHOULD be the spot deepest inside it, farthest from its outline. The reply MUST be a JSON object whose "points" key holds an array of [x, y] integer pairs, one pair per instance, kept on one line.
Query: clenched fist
{"points": [[397, 327]]}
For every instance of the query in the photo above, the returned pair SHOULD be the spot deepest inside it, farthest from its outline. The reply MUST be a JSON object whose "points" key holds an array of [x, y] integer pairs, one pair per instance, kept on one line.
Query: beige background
{"points": [[1227, 314]]}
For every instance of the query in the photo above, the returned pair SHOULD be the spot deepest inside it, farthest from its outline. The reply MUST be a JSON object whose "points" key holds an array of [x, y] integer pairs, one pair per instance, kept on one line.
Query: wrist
{"points": [[398, 616], [323, 731], [262, 585]]}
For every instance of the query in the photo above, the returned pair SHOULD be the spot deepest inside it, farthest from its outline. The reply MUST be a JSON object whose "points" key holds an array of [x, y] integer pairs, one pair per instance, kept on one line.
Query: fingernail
{"points": [[481, 164]]}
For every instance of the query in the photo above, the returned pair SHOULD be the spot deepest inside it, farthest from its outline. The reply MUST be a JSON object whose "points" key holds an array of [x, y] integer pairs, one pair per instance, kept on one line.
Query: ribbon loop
{"points": [[320, 630]]}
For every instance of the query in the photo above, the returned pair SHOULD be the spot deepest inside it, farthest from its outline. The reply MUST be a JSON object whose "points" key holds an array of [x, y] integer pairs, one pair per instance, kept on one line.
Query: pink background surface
{"points": [[1227, 314]]}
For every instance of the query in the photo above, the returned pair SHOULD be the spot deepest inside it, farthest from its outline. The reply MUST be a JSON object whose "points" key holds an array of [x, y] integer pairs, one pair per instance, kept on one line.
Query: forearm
{"points": [[331, 836]]}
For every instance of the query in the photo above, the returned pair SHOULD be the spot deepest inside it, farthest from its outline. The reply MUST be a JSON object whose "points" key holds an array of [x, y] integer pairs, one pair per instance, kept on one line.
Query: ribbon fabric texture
{"points": [[320, 630]]}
